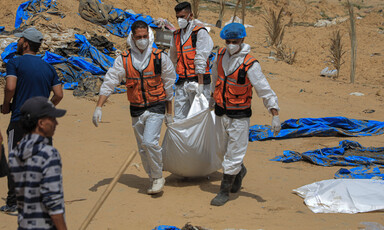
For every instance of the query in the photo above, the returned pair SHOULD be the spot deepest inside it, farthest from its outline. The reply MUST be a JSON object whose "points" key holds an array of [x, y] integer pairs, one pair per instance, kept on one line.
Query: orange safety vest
{"points": [[233, 91], [186, 54], [144, 88]]}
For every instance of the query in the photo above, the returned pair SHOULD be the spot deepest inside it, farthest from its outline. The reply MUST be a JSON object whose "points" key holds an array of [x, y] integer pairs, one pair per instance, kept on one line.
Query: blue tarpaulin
{"points": [[37, 6], [83, 63], [122, 26], [70, 86], [53, 58], [368, 160], [2, 28], [74, 68], [9, 52], [348, 153], [88, 50], [90, 60], [69, 69], [375, 172], [320, 127], [166, 227], [22, 14]]}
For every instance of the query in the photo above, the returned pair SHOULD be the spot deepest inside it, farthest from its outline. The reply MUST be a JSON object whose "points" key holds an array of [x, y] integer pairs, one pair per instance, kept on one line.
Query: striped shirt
{"points": [[36, 169]]}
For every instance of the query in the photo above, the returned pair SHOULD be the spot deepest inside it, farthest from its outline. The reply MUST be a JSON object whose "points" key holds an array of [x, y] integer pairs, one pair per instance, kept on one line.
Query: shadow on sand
{"points": [[204, 183]]}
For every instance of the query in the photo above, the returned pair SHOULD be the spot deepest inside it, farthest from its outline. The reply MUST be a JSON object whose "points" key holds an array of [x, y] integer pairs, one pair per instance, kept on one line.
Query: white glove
{"points": [[168, 118], [97, 116], [276, 125], [191, 87], [200, 89]]}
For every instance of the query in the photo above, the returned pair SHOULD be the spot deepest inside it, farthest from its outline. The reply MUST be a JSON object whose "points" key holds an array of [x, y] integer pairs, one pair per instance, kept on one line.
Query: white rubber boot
{"points": [[157, 186]]}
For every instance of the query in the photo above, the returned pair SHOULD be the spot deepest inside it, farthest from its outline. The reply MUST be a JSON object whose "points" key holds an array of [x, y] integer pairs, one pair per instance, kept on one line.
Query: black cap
{"points": [[37, 107]]}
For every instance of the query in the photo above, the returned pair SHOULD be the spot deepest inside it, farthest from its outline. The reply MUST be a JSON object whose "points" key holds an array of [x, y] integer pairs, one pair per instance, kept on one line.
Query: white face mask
{"points": [[142, 43], [232, 48], [183, 22]]}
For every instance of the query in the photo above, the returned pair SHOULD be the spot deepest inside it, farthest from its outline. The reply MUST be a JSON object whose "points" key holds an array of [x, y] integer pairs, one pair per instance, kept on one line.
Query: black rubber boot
{"points": [[223, 196], [239, 178]]}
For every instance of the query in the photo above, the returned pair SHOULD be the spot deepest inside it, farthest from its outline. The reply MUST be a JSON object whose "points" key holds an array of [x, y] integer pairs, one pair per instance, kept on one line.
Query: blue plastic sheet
{"points": [[320, 127], [336, 155], [2, 28], [166, 227], [375, 172], [9, 52], [87, 50], [22, 13], [70, 73], [75, 68], [82, 63], [53, 58], [122, 26], [70, 86], [72, 68], [79, 62]]}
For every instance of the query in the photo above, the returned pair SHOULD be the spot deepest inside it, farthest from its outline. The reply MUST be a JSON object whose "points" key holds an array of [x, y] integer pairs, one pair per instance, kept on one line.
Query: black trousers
{"points": [[3, 163], [15, 133]]}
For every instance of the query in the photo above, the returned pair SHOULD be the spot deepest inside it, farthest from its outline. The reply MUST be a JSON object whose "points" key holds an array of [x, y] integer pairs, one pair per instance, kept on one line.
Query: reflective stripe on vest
{"points": [[186, 54], [144, 88], [234, 91]]}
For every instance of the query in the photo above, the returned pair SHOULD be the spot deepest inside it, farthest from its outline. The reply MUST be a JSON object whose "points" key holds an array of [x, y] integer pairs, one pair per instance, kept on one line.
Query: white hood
{"points": [[140, 60], [231, 63]]}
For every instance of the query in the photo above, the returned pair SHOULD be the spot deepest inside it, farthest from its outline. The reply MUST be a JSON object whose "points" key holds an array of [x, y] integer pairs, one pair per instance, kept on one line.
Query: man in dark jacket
{"points": [[35, 167]]}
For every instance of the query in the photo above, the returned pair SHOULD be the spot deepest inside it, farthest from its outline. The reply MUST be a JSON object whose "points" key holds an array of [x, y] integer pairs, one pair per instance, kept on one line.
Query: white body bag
{"points": [[189, 145]]}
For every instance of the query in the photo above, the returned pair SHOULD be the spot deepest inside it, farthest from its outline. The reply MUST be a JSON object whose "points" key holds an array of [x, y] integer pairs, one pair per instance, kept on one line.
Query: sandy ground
{"points": [[91, 156]]}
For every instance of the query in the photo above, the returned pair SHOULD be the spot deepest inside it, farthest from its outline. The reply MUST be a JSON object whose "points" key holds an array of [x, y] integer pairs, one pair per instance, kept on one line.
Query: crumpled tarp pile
{"points": [[318, 127], [88, 62], [363, 172], [115, 20], [348, 153], [33, 8], [9, 50], [78, 67], [187, 226], [121, 26]]}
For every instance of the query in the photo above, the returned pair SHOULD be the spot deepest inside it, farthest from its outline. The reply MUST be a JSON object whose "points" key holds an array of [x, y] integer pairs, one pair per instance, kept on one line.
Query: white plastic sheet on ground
{"points": [[343, 195], [189, 145]]}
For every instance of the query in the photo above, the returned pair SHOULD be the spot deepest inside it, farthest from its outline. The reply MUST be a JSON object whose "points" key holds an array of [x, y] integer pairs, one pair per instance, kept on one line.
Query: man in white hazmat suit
{"points": [[191, 46], [234, 74], [149, 75]]}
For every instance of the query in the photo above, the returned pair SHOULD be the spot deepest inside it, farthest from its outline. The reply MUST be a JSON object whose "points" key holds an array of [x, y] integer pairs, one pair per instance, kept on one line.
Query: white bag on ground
{"points": [[189, 145], [343, 195]]}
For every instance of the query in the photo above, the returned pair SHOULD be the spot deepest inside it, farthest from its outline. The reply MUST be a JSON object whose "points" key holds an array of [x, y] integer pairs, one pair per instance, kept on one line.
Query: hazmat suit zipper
{"points": [[182, 56], [224, 86], [142, 89]]}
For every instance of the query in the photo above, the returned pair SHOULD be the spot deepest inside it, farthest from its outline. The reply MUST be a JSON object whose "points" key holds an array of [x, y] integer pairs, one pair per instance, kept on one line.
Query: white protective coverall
{"points": [[147, 126], [232, 133], [204, 46]]}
